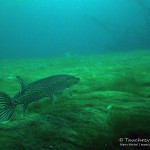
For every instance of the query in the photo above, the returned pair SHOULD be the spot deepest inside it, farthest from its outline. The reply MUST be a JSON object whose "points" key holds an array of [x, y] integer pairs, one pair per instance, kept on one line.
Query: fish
{"points": [[51, 87]]}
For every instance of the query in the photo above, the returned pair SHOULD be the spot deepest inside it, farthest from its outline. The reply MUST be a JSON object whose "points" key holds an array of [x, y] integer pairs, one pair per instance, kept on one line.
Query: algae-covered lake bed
{"points": [[110, 103]]}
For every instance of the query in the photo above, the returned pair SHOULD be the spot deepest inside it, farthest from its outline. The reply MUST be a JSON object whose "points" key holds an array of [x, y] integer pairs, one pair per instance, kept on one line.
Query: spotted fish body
{"points": [[48, 87]]}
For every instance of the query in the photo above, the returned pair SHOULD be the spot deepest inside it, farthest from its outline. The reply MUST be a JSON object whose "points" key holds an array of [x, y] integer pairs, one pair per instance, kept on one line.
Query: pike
{"points": [[47, 87]]}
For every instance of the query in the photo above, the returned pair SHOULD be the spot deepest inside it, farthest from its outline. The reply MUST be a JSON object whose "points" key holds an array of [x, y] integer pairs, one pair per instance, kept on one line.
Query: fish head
{"points": [[71, 80]]}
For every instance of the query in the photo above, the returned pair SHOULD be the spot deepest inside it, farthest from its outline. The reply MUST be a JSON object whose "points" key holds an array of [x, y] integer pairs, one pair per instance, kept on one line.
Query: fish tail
{"points": [[6, 107]]}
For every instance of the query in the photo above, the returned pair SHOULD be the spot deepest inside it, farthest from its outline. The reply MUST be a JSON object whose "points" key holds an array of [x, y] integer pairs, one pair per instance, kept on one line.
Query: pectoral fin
{"points": [[69, 93]]}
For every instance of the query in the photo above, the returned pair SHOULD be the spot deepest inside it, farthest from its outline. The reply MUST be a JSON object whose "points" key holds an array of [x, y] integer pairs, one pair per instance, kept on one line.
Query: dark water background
{"points": [[41, 28]]}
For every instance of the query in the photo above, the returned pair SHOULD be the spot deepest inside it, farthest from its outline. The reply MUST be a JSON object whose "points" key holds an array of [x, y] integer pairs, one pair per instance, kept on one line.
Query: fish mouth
{"points": [[73, 80], [77, 80]]}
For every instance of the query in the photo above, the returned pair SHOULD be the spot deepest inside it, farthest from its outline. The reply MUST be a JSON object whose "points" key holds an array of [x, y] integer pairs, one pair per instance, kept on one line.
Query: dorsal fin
{"points": [[22, 84]]}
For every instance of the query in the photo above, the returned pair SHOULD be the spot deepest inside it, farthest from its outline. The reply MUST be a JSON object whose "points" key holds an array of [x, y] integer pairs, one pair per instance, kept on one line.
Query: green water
{"points": [[112, 101]]}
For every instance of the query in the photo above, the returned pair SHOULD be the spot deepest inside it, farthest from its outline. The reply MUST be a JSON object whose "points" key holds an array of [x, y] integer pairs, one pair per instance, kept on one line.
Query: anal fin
{"points": [[25, 106], [52, 98]]}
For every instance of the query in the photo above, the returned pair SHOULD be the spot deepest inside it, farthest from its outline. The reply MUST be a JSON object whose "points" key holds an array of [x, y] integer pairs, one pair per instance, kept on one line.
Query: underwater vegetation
{"points": [[110, 102]]}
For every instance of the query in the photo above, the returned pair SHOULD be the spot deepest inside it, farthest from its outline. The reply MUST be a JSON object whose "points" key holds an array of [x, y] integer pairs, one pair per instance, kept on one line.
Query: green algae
{"points": [[110, 102]]}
